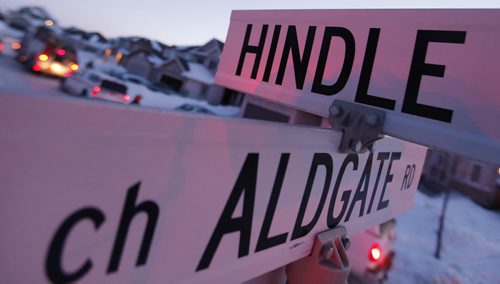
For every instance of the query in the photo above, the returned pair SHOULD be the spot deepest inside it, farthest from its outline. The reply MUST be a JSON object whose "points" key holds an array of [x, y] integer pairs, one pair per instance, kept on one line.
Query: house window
{"points": [[212, 65], [176, 84], [476, 173], [203, 92], [231, 97]]}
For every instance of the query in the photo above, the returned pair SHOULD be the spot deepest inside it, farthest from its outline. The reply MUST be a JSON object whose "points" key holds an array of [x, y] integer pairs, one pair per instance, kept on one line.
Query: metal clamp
{"points": [[361, 125], [328, 262]]}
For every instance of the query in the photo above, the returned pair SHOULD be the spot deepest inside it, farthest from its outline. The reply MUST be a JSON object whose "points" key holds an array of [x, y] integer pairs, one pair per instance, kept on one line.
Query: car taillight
{"points": [[43, 57], [74, 67], [96, 90], [375, 253], [127, 98], [36, 68], [1, 46], [61, 52]]}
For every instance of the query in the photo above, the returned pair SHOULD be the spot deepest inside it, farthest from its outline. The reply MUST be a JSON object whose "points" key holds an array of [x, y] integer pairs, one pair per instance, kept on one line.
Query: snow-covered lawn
{"points": [[471, 243]]}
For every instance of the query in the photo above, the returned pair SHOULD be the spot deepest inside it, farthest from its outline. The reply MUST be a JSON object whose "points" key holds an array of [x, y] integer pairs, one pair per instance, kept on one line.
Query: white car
{"points": [[97, 85], [371, 253]]}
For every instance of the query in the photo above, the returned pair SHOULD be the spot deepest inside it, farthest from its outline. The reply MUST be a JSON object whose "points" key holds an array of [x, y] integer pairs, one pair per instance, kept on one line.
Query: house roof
{"points": [[199, 73], [179, 60], [149, 54], [216, 42]]}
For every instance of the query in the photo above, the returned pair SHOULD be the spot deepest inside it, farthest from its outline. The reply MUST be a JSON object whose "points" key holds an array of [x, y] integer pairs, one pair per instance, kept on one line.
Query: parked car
{"points": [[194, 108], [93, 84], [134, 79], [161, 88], [371, 253], [43, 51]]}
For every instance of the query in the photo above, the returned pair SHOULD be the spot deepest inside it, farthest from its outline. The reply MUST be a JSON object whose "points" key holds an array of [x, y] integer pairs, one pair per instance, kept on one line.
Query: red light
{"points": [[15, 46], [96, 90], [36, 68], [375, 253], [61, 52], [127, 98], [1, 46]]}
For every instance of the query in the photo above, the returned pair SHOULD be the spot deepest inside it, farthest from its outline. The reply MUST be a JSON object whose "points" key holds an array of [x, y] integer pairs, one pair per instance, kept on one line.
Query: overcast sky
{"points": [[184, 22]]}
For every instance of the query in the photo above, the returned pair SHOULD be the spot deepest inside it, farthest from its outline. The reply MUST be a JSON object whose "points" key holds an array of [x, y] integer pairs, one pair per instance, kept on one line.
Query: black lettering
{"points": [[325, 160], [245, 184], [405, 179], [53, 261], [408, 178], [350, 49], [360, 195], [130, 210], [410, 181], [419, 68], [381, 157], [257, 50], [366, 72], [272, 53], [299, 64], [265, 241], [388, 178], [331, 220]]}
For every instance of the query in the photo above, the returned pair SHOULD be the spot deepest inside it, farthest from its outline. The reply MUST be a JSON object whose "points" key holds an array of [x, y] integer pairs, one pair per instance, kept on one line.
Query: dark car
{"points": [[194, 108]]}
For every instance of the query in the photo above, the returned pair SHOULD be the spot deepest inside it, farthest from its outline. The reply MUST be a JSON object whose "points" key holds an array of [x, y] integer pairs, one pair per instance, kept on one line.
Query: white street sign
{"points": [[434, 72], [98, 193]]}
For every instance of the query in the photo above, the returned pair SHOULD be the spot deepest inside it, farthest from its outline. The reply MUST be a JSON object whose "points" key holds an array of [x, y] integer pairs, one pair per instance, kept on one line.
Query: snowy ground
{"points": [[471, 243]]}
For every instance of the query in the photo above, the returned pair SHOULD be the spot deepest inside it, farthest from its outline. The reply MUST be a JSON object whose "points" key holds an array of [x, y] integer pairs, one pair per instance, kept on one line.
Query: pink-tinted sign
{"points": [[434, 72], [96, 193]]}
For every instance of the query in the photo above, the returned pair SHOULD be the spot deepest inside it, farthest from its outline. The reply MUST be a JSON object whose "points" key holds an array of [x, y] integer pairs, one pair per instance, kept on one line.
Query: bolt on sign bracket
{"points": [[361, 125]]}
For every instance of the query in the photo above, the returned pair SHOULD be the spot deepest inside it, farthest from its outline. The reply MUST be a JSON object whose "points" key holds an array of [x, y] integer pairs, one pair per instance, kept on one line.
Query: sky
{"points": [[187, 22]]}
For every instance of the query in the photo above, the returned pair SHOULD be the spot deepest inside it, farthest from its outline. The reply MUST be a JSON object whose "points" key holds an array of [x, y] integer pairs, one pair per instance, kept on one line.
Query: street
{"points": [[15, 78]]}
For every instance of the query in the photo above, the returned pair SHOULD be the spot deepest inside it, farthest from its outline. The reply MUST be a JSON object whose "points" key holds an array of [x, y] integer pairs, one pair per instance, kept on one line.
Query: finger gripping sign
{"points": [[147, 196]]}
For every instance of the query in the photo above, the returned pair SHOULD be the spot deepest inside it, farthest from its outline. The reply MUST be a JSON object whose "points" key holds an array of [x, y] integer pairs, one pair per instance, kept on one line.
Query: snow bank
{"points": [[471, 243]]}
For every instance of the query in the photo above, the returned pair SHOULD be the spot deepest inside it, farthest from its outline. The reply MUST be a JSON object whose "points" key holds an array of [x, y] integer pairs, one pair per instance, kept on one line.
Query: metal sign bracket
{"points": [[361, 125], [328, 262]]}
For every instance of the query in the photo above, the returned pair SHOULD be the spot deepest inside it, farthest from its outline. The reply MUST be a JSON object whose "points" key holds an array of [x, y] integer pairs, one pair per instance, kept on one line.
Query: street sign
{"points": [[434, 72], [100, 193]]}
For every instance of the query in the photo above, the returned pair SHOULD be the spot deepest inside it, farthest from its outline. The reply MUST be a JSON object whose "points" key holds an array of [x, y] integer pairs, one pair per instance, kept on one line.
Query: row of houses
{"points": [[187, 70], [190, 71], [479, 180]]}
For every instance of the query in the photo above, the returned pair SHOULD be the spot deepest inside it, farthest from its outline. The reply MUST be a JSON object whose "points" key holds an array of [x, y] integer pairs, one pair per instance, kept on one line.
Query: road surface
{"points": [[14, 77]]}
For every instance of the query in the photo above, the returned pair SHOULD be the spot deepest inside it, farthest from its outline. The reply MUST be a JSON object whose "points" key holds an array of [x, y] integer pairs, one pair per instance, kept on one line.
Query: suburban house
{"points": [[208, 54], [479, 180], [190, 71], [89, 41], [28, 18], [142, 62]]}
